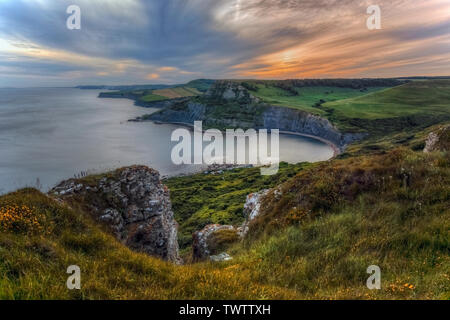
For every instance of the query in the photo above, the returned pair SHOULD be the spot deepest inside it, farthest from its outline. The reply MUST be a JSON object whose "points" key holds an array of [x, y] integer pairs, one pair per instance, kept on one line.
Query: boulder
{"points": [[133, 203], [221, 257]]}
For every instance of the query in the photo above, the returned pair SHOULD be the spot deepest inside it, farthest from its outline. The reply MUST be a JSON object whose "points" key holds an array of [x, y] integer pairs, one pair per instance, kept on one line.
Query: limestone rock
{"points": [[133, 203], [252, 210], [438, 140], [201, 245], [231, 91], [221, 257], [211, 238]]}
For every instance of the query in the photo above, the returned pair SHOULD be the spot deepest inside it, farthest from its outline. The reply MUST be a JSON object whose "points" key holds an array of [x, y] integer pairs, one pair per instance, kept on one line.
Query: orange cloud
{"points": [[152, 76]]}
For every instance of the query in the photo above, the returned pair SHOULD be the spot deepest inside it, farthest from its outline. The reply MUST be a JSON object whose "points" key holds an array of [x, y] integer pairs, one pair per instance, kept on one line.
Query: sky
{"points": [[174, 41]]}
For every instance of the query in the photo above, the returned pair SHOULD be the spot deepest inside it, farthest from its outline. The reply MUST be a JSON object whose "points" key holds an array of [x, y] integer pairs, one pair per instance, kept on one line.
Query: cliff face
{"points": [[298, 121], [133, 204], [230, 105]]}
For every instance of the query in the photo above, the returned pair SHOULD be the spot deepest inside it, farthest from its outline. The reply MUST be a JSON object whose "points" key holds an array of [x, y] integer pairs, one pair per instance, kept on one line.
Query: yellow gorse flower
{"points": [[22, 218]]}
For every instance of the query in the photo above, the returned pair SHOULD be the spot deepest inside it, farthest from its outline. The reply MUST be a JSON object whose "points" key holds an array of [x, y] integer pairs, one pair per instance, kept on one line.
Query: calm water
{"points": [[51, 134]]}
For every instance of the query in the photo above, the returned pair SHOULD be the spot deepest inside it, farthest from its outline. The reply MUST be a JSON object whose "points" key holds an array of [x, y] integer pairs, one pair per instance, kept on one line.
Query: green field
{"points": [[308, 97], [152, 98], [412, 98], [375, 110], [170, 93]]}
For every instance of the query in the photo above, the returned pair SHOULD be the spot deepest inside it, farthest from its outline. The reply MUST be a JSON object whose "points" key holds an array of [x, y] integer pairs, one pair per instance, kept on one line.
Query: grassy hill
{"points": [[40, 238], [377, 110], [165, 94], [308, 98], [423, 102]]}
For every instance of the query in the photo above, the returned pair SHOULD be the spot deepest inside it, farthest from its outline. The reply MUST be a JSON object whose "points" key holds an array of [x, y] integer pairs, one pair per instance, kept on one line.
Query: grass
{"points": [[178, 92], [308, 97], [409, 99], [374, 110], [418, 103], [33, 265], [390, 210], [153, 97], [316, 241], [384, 202], [165, 94]]}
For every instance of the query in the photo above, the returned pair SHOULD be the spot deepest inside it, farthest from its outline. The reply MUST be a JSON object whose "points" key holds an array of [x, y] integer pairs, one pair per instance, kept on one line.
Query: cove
{"points": [[51, 134]]}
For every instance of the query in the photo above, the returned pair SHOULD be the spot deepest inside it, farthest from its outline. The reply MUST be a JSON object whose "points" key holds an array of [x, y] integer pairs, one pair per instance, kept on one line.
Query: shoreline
{"points": [[336, 150]]}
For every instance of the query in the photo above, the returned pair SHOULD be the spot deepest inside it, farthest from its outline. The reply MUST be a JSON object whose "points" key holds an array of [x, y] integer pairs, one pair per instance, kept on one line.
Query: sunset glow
{"points": [[174, 41]]}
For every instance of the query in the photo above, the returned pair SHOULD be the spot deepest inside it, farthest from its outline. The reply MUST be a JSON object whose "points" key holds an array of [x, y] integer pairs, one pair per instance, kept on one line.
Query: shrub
{"points": [[20, 219]]}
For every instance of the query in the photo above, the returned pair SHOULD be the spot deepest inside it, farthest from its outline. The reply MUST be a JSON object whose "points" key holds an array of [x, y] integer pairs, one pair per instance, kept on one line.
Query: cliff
{"points": [[229, 105]]}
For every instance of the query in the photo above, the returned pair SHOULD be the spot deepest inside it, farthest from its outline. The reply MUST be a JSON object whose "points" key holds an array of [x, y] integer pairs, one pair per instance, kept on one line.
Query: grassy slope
{"points": [[170, 93], [33, 265], [392, 210], [415, 103], [308, 96], [377, 111], [412, 98], [352, 213]]}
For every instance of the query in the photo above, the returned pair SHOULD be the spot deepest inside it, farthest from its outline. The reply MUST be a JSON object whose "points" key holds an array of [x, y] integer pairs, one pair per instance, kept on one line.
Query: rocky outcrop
{"points": [[212, 239], [230, 91], [438, 140], [184, 112], [201, 245], [252, 210], [133, 203]]}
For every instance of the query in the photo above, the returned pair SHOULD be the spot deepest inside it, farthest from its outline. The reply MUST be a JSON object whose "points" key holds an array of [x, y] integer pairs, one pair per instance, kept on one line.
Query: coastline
{"points": [[336, 150]]}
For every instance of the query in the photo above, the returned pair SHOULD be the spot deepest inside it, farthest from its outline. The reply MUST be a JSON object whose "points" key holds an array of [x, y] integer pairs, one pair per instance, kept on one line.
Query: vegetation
{"points": [[374, 110], [384, 202], [422, 103], [308, 99], [33, 266], [152, 98], [202, 199], [201, 85], [315, 241], [154, 93]]}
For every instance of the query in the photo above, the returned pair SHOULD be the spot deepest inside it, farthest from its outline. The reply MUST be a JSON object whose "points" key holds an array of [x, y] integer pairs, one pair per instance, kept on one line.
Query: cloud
{"points": [[152, 76], [129, 40]]}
